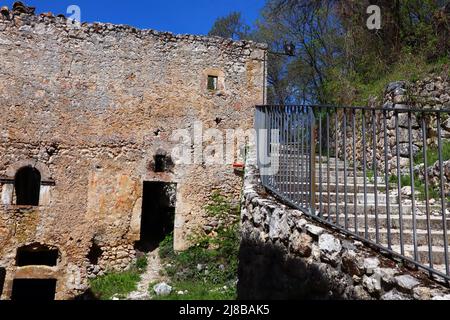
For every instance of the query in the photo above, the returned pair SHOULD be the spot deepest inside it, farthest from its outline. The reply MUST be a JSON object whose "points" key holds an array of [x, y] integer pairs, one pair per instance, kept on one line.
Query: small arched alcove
{"points": [[27, 185]]}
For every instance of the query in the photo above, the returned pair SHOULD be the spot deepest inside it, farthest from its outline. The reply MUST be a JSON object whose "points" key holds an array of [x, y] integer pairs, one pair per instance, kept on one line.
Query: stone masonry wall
{"points": [[90, 108], [286, 255], [432, 93]]}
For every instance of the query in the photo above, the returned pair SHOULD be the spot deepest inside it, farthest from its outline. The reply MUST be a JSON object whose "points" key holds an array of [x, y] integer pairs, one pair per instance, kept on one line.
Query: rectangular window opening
{"points": [[31, 256], [213, 82]]}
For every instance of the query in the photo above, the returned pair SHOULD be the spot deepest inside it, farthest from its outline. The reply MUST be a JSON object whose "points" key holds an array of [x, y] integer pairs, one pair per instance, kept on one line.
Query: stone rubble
{"points": [[162, 289]]}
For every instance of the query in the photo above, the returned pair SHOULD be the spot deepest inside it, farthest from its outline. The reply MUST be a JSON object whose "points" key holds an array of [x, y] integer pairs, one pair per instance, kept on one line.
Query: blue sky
{"points": [[178, 16]]}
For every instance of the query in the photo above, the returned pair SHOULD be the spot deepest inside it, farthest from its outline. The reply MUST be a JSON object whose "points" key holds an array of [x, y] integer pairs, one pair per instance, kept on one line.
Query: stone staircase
{"points": [[351, 205]]}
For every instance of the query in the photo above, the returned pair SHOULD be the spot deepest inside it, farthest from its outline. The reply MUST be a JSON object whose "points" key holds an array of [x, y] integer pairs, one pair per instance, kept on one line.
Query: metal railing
{"points": [[379, 175]]}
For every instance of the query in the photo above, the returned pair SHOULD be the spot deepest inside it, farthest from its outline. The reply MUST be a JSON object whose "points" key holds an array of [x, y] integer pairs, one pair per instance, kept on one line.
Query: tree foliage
{"points": [[231, 26], [338, 59]]}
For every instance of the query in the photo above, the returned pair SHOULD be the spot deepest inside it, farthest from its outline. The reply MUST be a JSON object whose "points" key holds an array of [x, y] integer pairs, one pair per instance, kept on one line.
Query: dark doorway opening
{"points": [[27, 183], [95, 253], [34, 290], [158, 214], [2, 280], [37, 255]]}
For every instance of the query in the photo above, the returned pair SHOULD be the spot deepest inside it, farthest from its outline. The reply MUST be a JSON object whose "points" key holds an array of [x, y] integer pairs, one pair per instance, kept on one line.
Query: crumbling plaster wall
{"points": [[93, 105]]}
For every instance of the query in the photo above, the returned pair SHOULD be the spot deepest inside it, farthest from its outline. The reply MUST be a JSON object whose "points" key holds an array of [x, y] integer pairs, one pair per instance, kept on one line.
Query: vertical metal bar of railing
{"points": [[375, 175], [355, 185], [427, 200], [366, 222], [299, 153], [345, 168], [312, 168], [399, 185], [269, 125], [257, 126], [320, 165], [280, 129], [283, 152], [294, 154], [265, 127], [303, 159], [442, 186], [413, 200], [328, 165], [289, 143], [386, 178], [308, 161], [269, 118], [336, 162], [264, 133]]}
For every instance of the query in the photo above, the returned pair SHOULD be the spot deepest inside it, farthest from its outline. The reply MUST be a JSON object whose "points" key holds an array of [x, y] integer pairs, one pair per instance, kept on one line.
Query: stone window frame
{"points": [[219, 74], [7, 190]]}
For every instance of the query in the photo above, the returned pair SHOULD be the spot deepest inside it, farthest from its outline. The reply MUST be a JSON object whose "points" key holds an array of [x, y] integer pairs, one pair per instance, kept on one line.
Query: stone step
{"points": [[295, 158], [370, 188], [296, 163], [438, 257], [295, 178], [407, 209], [349, 198], [436, 223], [437, 237], [298, 154], [292, 171], [297, 168]]}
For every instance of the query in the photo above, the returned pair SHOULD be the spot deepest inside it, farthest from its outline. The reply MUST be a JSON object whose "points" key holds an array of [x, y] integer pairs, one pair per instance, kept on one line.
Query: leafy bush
{"points": [[433, 154], [419, 187]]}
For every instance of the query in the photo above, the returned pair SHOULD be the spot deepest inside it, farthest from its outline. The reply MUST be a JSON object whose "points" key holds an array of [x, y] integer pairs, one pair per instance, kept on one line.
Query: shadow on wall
{"points": [[267, 272]]}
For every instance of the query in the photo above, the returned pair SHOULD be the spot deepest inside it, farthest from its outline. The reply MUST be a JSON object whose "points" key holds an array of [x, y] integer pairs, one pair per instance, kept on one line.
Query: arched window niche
{"points": [[27, 186], [26, 183]]}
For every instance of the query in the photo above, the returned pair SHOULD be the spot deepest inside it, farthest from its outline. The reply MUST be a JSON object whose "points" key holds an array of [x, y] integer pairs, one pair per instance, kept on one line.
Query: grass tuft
{"points": [[111, 284]]}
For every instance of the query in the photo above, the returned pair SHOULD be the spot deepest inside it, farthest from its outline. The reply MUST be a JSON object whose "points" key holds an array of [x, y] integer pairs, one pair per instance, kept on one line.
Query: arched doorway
{"points": [[27, 184]]}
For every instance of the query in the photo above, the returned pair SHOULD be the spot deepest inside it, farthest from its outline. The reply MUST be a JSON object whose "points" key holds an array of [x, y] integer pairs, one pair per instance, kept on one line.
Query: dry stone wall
{"points": [[90, 107], [431, 93], [287, 255]]}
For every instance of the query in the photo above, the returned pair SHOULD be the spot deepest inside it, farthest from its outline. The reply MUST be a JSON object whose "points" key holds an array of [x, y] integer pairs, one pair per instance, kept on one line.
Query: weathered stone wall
{"points": [[90, 108], [286, 255], [431, 93]]}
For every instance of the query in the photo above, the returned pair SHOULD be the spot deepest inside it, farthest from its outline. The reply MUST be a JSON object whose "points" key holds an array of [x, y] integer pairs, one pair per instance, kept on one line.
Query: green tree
{"points": [[231, 26], [338, 59]]}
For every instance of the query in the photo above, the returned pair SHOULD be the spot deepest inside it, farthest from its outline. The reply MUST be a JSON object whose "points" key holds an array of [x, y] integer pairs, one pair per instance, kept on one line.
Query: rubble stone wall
{"points": [[431, 93], [90, 107]]}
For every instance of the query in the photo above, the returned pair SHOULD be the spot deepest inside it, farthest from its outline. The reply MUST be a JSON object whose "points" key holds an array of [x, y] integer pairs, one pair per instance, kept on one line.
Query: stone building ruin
{"points": [[85, 143]]}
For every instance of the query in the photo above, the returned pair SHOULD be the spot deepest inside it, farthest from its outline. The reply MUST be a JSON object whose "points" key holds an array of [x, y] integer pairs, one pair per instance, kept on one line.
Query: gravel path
{"points": [[152, 274]]}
